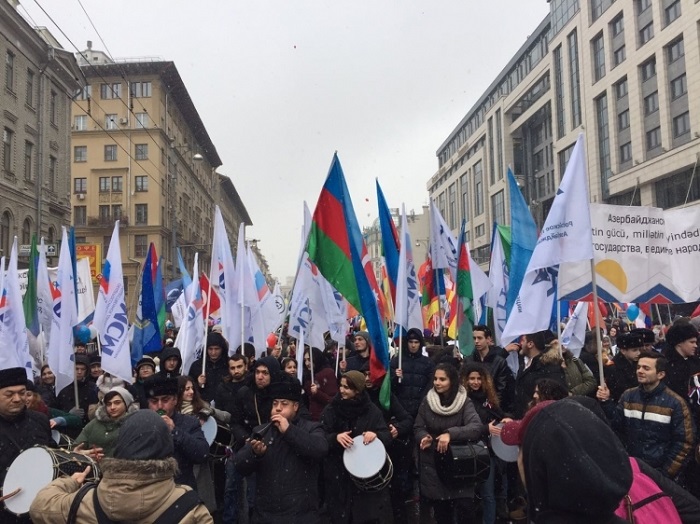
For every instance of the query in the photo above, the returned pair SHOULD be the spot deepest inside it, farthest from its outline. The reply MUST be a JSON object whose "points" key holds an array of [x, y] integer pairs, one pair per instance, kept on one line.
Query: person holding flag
{"points": [[216, 366]]}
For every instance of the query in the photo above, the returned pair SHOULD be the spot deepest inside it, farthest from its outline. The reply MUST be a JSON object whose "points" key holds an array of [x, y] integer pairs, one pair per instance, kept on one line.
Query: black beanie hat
{"points": [[415, 334], [12, 377], [679, 333], [144, 436], [357, 378], [569, 450], [217, 339], [158, 385], [81, 358]]}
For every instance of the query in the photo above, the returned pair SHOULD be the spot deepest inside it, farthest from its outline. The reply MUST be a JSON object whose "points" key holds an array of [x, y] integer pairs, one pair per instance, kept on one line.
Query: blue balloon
{"points": [[82, 334], [632, 312]]}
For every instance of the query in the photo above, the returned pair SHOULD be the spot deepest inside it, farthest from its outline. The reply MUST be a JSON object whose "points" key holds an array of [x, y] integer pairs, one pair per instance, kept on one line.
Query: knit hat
{"points": [[365, 335], [127, 397], [513, 432], [158, 385], [679, 333], [288, 388], [272, 364], [357, 379], [568, 449], [144, 436], [630, 341], [83, 359], [95, 359], [146, 361], [13, 377], [647, 335], [415, 334], [217, 339]]}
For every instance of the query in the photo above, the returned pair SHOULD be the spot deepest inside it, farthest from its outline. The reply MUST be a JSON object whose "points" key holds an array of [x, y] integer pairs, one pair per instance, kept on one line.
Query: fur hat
{"points": [[679, 333], [287, 388], [630, 341], [158, 385], [647, 335], [357, 378], [13, 377], [144, 436]]}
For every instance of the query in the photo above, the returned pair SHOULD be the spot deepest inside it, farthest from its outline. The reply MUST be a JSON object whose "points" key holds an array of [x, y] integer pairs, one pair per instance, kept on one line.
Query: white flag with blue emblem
{"points": [[565, 237], [574, 334]]}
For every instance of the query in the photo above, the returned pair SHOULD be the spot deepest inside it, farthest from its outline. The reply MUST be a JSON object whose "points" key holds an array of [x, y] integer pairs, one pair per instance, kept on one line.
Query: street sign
{"points": [[25, 250]]}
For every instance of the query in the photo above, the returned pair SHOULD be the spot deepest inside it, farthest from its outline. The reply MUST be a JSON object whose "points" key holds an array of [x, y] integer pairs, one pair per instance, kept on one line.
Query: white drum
{"points": [[35, 468], [209, 428], [504, 451], [369, 465]]}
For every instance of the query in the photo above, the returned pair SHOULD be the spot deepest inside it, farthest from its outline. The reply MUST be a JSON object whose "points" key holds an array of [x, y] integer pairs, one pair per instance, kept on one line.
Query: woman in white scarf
{"points": [[445, 416]]}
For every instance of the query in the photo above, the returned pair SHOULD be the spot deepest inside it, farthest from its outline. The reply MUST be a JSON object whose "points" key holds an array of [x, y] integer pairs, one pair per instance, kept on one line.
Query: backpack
{"points": [[646, 502]]}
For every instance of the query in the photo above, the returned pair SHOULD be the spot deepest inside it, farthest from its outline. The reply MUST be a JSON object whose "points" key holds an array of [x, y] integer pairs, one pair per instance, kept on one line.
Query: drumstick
{"points": [[10, 494]]}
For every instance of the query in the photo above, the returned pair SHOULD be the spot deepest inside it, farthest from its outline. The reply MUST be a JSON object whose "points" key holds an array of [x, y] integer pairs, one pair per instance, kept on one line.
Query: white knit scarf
{"points": [[455, 407]]}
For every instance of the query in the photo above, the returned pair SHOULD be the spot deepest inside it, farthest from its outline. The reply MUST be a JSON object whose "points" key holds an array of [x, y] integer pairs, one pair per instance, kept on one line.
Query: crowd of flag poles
{"points": [[335, 285]]}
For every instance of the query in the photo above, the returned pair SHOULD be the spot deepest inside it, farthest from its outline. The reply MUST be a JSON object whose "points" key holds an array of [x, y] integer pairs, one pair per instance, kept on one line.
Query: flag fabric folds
{"points": [[110, 318], [29, 302], [566, 237], [499, 273], [14, 345], [190, 338], [390, 242], [574, 334], [408, 299], [223, 280], [443, 244], [44, 295], [147, 336], [336, 247]]}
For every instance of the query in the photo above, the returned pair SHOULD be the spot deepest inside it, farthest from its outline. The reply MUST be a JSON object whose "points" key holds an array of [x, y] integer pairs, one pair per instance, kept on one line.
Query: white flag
{"points": [[306, 309], [65, 316], [14, 345], [572, 338], [190, 338], [566, 237], [43, 293], [408, 299], [223, 279], [498, 275], [443, 244], [110, 314]]}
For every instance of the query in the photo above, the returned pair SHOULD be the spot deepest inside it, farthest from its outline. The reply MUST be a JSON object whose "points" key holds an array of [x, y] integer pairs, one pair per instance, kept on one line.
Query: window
{"points": [[646, 33], [643, 5], [117, 184], [623, 120], [142, 120], [26, 231], [498, 208], [572, 40], [29, 95], [141, 151], [5, 229], [679, 86], [7, 141], [28, 159], [596, 11], [116, 212], [79, 153], [675, 190], [141, 183], [104, 214], [85, 93], [598, 48], [653, 138], [479, 230], [111, 122], [619, 55], [621, 88], [478, 189], [53, 168], [651, 103], [681, 125], [109, 91], [626, 153], [672, 12], [601, 104], [140, 245], [675, 50], [53, 108], [140, 89], [648, 69], [80, 185], [79, 215], [104, 184], [10, 71], [617, 25], [142, 214], [80, 123], [110, 152]]}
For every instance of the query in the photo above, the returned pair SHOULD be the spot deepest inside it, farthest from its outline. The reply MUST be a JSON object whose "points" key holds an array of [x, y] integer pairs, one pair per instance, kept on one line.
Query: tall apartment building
{"points": [[142, 155], [37, 82], [621, 72]]}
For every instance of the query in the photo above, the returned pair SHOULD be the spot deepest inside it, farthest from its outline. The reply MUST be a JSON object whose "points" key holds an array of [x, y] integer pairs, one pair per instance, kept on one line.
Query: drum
{"points": [[369, 465], [62, 440], [222, 442], [36, 467], [209, 429]]}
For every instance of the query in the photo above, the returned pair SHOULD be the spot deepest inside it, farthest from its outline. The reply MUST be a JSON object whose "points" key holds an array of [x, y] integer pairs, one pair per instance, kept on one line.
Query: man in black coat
{"points": [[491, 357], [190, 445], [216, 369], [622, 375], [20, 428], [681, 354], [87, 395], [170, 362], [286, 459], [363, 348], [415, 372]]}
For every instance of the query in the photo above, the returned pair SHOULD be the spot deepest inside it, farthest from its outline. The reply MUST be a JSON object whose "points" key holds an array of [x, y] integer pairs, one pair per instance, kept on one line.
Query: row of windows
{"points": [[80, 153], [112, 121], [8, 160], [113, 90], [108, 214], [111, 184], [7, 233]]}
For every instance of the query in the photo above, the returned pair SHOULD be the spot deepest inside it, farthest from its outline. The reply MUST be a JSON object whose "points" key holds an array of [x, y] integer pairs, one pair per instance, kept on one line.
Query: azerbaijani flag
{"points": [[465, 292], [390, 242], [336, 246]]}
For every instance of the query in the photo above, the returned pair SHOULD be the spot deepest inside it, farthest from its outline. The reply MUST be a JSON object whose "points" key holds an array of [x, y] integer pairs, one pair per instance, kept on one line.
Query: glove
{"points": [[206, 412], [78, 412]]}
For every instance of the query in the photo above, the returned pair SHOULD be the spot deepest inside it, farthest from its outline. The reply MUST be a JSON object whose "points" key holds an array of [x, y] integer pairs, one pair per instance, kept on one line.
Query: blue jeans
{"points": [[234, 493], [488, 490]]}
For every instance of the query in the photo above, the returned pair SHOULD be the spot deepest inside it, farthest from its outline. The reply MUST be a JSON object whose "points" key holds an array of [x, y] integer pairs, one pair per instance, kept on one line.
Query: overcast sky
{"points": [[282, 84]]}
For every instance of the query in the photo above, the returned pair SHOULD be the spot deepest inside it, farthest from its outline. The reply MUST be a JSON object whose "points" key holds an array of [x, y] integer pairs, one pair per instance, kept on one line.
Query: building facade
{"points": [[621, 72], [142, 155], [37, 83]]}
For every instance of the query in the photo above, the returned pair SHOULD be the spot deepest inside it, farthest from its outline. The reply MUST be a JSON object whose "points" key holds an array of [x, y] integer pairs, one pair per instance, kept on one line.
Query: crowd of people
{"points": [[241, 439]]}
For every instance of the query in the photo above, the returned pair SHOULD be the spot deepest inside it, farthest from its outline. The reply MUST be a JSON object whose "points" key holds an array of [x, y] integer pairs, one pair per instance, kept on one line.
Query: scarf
{"points": [[350, 410], [186, 408], [446, 411]]}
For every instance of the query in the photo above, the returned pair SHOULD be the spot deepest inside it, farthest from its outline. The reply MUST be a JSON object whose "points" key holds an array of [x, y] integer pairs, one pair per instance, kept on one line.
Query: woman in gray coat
{"points": [[445, 416]]}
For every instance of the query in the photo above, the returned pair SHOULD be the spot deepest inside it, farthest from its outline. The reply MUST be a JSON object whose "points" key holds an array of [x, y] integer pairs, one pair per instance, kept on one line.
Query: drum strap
{"points": [[175, 513]]}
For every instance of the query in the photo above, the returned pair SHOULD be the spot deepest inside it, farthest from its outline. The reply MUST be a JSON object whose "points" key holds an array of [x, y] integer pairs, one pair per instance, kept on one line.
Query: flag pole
{"points": [[596, 312], [311, 362], [400, 349], [658, 313], [75, 383]]}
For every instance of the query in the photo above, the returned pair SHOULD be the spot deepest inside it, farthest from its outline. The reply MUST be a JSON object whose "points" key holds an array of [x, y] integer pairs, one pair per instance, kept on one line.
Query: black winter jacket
{"points": [[621, 376], [503, 378], [190, 447], [544, 365], [417, 379], [679, 370], [215, 372], [251, 408]]}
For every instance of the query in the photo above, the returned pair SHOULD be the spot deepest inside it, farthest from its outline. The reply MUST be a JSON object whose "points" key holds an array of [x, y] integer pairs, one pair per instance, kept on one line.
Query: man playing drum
{"points": [[20, 428]]}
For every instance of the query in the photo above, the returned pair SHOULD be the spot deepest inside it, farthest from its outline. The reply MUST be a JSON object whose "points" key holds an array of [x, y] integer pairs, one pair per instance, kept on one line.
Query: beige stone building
{"points": [[142, 155], [37, 82], [621, 72]]}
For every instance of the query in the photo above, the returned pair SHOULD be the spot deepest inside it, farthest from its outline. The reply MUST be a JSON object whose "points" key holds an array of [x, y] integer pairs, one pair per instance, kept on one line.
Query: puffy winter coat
{"points": [[102, 431], [621, 376], [215, 372], [136, 491], [503, 378], [190, 447], [417, 379], [656, 427], [679, 370]]}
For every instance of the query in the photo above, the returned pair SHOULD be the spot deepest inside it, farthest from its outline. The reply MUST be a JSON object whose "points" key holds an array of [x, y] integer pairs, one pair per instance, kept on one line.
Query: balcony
{"points": [[107, 221]]}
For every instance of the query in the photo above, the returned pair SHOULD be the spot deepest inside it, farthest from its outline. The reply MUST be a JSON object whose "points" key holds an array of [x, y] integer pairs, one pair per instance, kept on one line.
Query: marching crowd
{"points": [[241, 439]]}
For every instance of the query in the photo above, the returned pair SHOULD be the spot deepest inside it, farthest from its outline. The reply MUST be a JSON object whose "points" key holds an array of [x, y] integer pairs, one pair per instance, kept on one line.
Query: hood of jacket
{"points": [[102, 416], [551, 356]]}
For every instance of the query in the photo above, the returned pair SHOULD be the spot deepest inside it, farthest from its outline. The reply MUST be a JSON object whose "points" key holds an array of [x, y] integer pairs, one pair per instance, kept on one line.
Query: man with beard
{"points": [[20, 428]]}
